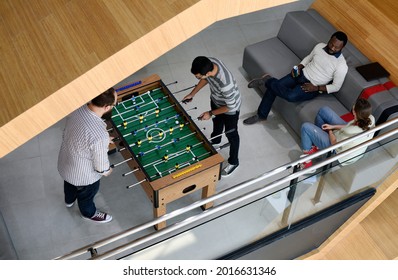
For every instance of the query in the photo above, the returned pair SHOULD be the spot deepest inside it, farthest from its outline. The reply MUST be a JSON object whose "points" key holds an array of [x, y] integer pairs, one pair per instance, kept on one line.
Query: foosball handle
{"points": [[224, 146], [133, 185]]}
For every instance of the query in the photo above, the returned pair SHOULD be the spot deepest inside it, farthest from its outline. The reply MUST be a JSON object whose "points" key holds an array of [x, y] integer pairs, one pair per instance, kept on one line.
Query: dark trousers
{"points": [[229, 122], [84, 195], [288, 88]]}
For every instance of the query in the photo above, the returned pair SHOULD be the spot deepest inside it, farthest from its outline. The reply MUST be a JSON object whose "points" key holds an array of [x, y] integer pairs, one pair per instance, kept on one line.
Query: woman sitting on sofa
{"points": [[329, 129]]}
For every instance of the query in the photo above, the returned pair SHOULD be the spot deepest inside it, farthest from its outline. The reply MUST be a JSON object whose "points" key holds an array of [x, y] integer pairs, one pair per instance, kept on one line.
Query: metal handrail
{"points": [[268, 188]]}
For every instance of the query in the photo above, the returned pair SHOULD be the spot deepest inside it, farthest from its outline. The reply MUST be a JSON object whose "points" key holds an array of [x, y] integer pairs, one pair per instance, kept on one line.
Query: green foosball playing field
{"points": [[159, 137], [168, 154]]}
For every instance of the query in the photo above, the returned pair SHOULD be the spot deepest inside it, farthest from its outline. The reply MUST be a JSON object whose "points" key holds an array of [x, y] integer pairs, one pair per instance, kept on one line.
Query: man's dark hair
{"points": [[201, 65], [341, 36], [106, 98]]}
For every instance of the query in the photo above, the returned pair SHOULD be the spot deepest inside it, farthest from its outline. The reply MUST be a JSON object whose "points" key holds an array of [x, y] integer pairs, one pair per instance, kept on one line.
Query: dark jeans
{"points": [[288, 88], [84, 195], [228, 122]]}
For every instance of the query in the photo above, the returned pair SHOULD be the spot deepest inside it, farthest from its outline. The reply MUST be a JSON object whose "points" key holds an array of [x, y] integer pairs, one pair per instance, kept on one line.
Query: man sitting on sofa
{"points": [[322, 71]]}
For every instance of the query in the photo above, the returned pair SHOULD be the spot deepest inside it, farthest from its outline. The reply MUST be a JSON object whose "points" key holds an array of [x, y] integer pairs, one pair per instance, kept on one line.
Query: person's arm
{"points": [[198, 87], [308, 87], [208, 114], [99, 152], [309, 57], [338, 79], [332, 137], [327, 126]]}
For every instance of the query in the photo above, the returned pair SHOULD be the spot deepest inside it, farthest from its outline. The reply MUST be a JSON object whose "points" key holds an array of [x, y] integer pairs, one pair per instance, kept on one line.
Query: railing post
{"points": [[321, 184], [290, 197]]}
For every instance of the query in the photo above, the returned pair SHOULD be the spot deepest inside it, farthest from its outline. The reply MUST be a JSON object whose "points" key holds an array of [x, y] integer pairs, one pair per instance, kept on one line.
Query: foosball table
{"points": [[168, 154]]}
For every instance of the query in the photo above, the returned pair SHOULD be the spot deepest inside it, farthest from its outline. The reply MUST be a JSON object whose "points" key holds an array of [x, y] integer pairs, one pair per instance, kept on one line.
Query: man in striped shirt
{"points": [[225, 101], [83, 157]]}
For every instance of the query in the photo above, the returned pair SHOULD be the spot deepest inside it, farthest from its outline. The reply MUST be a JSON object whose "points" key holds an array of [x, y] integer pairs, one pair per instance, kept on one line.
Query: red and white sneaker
{"points": [[305, 164], [100, 217], [313, 149], [308, 163]]}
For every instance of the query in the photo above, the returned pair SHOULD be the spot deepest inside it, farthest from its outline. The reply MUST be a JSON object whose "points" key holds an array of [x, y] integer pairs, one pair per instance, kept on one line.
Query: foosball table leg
{"points": [[208, 191], [158, 212]]}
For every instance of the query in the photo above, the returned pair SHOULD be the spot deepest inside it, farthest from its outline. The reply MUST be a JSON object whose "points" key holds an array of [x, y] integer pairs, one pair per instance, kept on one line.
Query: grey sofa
{"points": [[299, 33]]}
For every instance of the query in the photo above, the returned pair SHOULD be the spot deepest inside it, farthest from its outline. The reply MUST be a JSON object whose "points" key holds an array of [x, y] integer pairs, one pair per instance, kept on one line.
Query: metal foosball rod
{"points": [[130, 172], [136, 184], [172, 141], [116, 139], [136, 107], [194, 108], [225, 132], [168, 143], [117, 164], [184, 89], [180, 166], [146, 115], [172, 83], [175, 127], [223, 146]]}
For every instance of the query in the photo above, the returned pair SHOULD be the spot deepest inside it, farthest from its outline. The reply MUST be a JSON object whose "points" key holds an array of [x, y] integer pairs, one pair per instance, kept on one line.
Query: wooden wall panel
{"points": [[372, 25]]}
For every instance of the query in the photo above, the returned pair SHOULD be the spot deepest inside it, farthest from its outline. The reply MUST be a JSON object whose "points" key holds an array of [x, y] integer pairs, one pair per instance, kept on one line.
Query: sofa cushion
{"points": [[352, 55], [381, 101], [322, 21], [394, 92], [361, 174], [270, 56], [352, 87], [300, 32], [296, 113]]}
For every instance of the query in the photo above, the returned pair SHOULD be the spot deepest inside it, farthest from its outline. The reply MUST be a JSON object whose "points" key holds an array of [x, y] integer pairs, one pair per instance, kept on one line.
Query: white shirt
{"points": [[321, 68], [348, 131], [83, 157]]}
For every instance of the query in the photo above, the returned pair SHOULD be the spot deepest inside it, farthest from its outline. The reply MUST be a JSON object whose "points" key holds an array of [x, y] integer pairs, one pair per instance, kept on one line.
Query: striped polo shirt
{"points": [[83, 156], [223, 88]]}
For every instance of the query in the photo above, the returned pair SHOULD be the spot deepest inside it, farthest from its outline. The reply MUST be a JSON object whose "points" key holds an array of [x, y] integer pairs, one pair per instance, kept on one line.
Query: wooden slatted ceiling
{"points": [[50, 43], [58, 54]]}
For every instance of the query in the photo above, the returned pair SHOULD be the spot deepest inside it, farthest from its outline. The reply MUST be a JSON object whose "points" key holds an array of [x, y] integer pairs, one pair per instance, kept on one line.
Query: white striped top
{"points": [[223, 88], [321, 68], [83, 157]]}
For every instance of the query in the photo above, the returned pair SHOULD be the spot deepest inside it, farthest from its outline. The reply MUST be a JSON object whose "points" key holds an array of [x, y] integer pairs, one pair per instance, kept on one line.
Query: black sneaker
{"points": [[228, 169], [257, 82], [253, 119], [100, 217], [69, 205]]}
